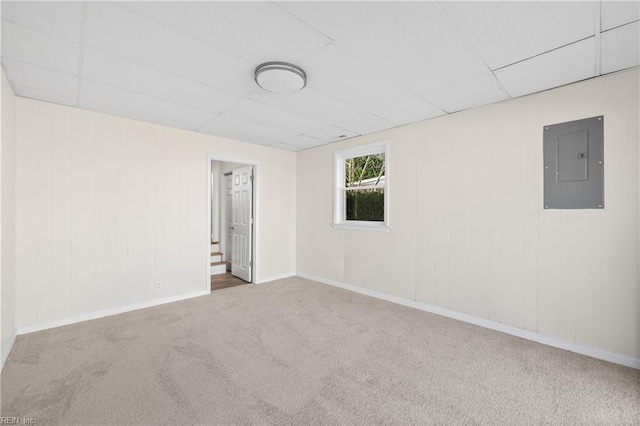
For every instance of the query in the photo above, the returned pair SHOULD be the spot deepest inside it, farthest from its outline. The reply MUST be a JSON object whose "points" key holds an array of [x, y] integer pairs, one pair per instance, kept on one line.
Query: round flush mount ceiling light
{"points": [[280, 77]]}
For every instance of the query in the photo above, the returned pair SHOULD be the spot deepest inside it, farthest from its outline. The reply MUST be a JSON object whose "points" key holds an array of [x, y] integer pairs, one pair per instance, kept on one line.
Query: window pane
{"points": [[364, 171], [365, 205]]}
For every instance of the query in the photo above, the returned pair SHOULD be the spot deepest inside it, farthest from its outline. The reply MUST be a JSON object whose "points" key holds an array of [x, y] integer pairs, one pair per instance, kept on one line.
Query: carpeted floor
{"points": [[298, 352]]}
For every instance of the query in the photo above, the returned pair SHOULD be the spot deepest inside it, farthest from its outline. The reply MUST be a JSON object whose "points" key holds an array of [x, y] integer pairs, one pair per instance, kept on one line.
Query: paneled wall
{"points": [[108, 206], [7, 212], [469, 232]]}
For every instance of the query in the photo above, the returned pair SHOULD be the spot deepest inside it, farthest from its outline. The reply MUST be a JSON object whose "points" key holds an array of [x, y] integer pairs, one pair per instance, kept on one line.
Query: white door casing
{"points": [[215, 202], [228, 219], [241, 262]]}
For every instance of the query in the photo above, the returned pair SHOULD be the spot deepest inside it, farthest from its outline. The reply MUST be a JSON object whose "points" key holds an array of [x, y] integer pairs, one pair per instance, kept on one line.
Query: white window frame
{"points": [[339, 206]]}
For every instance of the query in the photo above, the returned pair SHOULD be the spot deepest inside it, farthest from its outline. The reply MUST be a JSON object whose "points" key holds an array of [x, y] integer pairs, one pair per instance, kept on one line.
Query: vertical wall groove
{"points": [[118, 204], [571, 274]]}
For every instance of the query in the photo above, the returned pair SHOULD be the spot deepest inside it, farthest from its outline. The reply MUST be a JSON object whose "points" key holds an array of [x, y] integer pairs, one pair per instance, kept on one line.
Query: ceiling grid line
{"points": [[370, 66], [342, 34], [42, 67], [221, 113], [39, 30], [452, 22], [544, 53], [373, 70], [618, 26], [83, 32], [123, 5], [169, 73], [302, 21], [338, 44], [151, 96], [11, 84], [597, 21]]}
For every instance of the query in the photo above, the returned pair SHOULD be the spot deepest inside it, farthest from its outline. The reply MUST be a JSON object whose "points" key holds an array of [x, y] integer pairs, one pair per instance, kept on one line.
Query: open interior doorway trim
{"points": [[255, 272]]}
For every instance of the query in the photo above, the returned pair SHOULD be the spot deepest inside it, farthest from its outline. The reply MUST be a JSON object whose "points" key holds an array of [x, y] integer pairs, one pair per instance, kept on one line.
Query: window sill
{"points": [[350, 227]]}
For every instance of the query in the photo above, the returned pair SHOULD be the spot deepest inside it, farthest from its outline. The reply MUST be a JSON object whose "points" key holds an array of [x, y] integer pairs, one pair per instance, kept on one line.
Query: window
{"points": [[362, 187]]}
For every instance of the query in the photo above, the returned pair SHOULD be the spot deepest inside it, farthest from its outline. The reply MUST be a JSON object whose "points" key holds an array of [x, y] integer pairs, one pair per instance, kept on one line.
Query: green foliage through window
{"points": [[367, 170], [365, 205], [361, 187]]}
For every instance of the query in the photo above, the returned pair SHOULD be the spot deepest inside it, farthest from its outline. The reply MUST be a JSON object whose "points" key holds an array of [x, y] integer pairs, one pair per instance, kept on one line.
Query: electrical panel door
{"points": [[574, 164]]}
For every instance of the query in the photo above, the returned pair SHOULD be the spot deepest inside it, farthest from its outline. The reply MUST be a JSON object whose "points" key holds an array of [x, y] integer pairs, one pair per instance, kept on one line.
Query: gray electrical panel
{"points": [[574, 164]]}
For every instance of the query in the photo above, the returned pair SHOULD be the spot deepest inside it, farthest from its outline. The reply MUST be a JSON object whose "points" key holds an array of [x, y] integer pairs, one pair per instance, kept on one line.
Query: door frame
{"points": [[224, 207], [256, 214]]}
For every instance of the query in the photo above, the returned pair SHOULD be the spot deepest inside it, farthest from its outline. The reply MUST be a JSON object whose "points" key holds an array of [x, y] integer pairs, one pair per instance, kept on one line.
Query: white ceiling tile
{"points": [[282, 145], [256, 31], [506, 32], [365, 124], [620, 48], [159, 62], [479, 90], [58, 18], [134, 115], [410, 111], [556, 68], [266, 115], [37, 48], [41, 79], [308, 103], [243, 130], [98, 93], [109, 69], [331, 134], [304, 141], [616, 13], [43, 95], [279, 145], [338, 74], [333, 18], [118, 31], [415, 45]]}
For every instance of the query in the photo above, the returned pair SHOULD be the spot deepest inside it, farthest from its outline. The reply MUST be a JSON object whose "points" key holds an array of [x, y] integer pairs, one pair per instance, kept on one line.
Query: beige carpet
{"points": [[299, 352]]}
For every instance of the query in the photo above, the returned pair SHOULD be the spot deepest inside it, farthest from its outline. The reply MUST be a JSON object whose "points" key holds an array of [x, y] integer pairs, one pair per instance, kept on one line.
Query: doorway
{"points": [[233, 202]]}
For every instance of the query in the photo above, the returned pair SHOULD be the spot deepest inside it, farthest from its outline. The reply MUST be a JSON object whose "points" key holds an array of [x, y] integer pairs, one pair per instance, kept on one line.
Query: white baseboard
{"points": [[276, 277], [7, 350], [106, 312], [545, 339]]}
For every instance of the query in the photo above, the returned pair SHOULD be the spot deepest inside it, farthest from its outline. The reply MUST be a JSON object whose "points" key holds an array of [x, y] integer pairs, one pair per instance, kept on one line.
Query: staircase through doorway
{"points": [[217, 265], [220, 278]]}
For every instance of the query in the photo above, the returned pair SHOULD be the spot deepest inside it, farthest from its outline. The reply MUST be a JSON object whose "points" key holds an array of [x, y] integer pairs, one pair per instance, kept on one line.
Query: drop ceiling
{"points": [[371, 66]]}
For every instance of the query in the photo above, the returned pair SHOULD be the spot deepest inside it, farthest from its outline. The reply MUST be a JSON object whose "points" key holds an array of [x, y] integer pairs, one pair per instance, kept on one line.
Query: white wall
{"points": [[469, 231], [107, 206], [7, 214]]}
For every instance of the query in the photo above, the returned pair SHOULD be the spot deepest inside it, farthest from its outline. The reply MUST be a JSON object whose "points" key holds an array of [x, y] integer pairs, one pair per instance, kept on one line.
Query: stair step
{"points": [[216, 253], [218, 268]]}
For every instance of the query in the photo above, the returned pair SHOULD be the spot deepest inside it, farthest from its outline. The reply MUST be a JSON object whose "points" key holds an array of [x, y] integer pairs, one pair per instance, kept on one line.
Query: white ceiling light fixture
{"points": [[280, 77]]}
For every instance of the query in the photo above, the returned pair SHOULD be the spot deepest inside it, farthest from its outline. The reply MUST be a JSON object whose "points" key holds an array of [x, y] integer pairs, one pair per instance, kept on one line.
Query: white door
{"points": [[241, 262], [228, 219]]}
